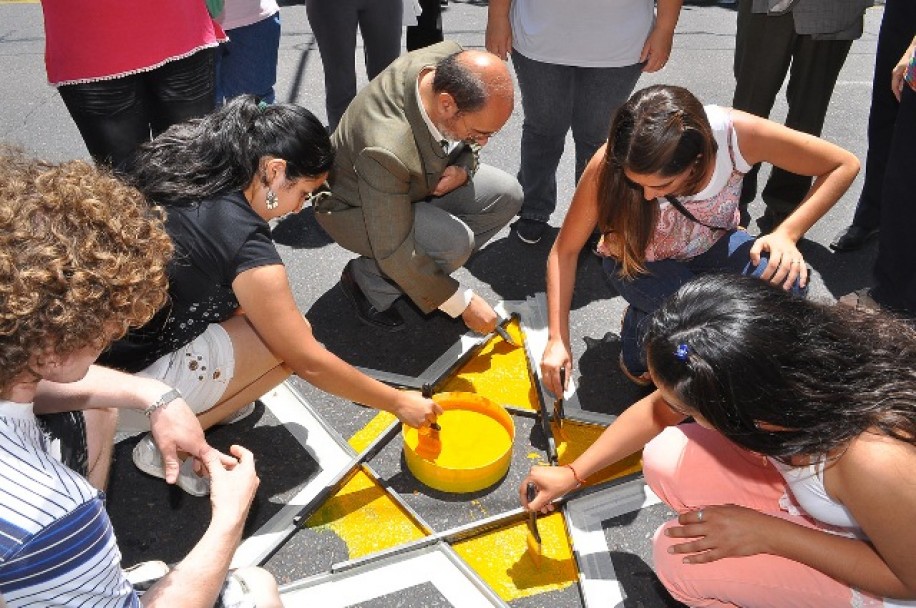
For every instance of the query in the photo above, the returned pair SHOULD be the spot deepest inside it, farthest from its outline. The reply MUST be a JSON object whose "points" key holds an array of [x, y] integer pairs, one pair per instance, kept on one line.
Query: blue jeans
{"points": [[449, 228], [556, 98], [248, 62], [645, 293]]}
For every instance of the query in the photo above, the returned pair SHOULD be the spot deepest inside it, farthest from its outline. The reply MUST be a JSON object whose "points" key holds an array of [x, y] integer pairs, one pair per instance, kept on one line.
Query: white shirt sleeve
{"points": [[457, 303]]}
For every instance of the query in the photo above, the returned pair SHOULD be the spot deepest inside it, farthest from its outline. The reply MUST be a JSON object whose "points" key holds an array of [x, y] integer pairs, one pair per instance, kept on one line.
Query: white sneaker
{"points": [[144, 575], [148, 459], [239, 414]]}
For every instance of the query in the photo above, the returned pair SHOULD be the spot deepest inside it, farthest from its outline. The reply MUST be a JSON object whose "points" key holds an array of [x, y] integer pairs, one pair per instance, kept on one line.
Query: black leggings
{"points": [[116, 116]]}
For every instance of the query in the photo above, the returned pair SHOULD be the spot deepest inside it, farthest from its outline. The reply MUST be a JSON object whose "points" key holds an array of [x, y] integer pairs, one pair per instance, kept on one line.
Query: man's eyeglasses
{"points": [[476, 135]]}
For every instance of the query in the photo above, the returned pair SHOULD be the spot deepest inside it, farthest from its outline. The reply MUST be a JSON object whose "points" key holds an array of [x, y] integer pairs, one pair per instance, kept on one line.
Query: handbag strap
{"points": [[683, 211]]}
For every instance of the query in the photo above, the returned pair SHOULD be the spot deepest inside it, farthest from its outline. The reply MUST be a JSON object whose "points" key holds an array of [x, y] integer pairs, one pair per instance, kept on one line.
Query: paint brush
{"points": [[429, 444], [503, 333], [558, 413], [534, 535]]}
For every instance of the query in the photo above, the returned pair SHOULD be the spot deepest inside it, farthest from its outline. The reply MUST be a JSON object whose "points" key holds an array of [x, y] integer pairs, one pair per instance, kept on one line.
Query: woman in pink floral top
{"points": [[664, 194]]}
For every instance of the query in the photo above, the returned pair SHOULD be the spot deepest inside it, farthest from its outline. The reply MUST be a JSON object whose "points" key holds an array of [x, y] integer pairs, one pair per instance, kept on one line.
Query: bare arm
{"points": [[884, 566], [499, 28], [627, 434], [872, 478], [562, 263], [832, 167], [265, 296], [174, 427], [197, 579], [657, 48]]}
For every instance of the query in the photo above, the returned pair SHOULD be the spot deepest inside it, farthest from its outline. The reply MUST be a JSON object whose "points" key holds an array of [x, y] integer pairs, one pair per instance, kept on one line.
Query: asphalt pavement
{"points": [[32, 115]]}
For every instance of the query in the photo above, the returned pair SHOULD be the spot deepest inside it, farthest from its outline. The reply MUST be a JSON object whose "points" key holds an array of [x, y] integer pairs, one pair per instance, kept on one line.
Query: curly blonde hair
{"points": [[82, 258]]}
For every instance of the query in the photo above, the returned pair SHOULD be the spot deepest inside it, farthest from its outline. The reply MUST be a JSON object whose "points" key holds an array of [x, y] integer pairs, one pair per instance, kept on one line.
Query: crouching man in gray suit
{"points": [[408, 195]]}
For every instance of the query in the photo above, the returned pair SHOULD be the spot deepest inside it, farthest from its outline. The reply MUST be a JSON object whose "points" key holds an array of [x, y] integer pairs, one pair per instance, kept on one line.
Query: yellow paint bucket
{"points": [[476, 438]]}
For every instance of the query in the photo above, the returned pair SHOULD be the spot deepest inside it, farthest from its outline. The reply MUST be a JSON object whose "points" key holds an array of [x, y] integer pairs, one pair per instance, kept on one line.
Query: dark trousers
{"points": [[895, 267], [766, 49], [898, 26], [334, 24], [428, 30], [116, 116]]}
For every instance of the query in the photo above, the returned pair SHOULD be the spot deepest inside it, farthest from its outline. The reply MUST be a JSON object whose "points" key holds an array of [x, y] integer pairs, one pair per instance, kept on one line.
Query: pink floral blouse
{"points": [[680, 238]]}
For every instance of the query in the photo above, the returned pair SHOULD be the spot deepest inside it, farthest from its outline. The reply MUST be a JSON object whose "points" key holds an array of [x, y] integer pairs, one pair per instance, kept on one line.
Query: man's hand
{"points": [[174, 428], [499, 36], [479, 316], [233, 484], [656, 50], [453, 177]]}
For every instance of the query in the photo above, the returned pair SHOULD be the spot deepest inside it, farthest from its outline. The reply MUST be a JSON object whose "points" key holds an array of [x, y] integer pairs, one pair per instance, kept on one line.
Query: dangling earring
{"points": [[272, 201]]}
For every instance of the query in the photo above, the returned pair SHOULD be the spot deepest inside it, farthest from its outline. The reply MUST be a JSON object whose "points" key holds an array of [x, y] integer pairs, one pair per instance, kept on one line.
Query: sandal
{"points": [[860, 300], [643, 379]]}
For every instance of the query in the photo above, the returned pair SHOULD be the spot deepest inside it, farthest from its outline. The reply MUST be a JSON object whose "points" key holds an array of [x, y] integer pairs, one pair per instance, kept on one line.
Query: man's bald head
{"points": [[473, 79]]}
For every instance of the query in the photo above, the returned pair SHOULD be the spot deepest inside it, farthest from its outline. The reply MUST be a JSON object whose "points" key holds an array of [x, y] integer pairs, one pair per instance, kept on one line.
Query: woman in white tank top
{"points": [[795, 484]]}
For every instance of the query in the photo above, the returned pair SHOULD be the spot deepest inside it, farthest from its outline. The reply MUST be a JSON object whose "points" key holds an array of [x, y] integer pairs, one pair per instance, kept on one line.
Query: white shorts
{"points": [[201, 370]]}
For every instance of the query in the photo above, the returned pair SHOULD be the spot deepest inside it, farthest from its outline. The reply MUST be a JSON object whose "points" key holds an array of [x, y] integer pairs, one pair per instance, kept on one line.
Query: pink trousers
{"points": [[690, 467]]}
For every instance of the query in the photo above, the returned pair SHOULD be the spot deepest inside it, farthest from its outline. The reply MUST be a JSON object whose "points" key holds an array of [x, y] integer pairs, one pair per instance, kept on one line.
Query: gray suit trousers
{"points": [[449, 229]]}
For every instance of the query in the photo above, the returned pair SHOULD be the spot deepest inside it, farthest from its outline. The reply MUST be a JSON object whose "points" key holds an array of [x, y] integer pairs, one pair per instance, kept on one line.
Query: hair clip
{"points": [[682, 351], [262, 105]]}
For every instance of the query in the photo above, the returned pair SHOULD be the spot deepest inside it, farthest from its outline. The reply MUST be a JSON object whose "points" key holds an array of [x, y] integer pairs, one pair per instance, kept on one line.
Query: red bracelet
{"points": [[579, 480]]}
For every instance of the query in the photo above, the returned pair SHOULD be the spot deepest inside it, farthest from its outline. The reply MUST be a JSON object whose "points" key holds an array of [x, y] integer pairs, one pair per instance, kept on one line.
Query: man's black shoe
{"points": [[529, 231], [852, 238], [389, 320]]}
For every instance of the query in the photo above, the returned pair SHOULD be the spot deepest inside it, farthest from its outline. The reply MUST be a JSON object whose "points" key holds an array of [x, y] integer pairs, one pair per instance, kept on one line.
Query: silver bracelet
{"points": [[162, 401]]}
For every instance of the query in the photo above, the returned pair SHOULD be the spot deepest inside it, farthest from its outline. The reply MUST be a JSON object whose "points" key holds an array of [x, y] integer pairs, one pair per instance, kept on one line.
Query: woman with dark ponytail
{"points": [[664, 192], [231, 330], [798, 465]]}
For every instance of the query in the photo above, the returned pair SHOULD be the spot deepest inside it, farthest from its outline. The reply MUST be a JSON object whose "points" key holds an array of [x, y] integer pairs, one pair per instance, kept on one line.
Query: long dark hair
{"points": [[740, 351], [222, 151], [660, 129]]}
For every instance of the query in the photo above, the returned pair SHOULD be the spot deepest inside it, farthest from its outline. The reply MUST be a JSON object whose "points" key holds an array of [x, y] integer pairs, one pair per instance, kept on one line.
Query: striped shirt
{"points": [[57, 547]]}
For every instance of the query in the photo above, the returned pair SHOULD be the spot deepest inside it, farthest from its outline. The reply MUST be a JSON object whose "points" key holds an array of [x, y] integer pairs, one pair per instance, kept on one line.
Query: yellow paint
{"points": [[366, 435], [503, 560], [368, 521], [476, 445], [365, 517], [575, 437], [469, 439], [499, 372]]}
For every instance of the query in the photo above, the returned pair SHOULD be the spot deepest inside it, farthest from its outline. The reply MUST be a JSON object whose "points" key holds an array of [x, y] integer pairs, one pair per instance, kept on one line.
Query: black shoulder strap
{"points": [[683, 211]]}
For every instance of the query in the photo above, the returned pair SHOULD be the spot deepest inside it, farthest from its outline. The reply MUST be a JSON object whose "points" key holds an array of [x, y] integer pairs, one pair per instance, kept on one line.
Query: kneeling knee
{"points": [[669, 567]]}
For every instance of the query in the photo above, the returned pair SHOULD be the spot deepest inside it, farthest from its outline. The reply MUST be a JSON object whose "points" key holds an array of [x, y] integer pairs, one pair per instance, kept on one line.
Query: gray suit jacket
{"points": [[822, 19], [387, 161]]}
